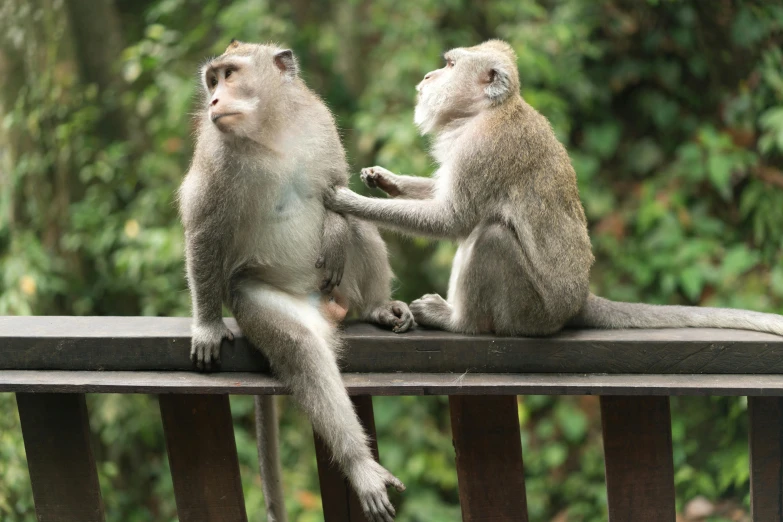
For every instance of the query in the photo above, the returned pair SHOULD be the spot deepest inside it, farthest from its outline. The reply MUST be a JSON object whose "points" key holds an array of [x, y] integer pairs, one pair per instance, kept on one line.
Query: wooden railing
{"points": [[51, 362]]}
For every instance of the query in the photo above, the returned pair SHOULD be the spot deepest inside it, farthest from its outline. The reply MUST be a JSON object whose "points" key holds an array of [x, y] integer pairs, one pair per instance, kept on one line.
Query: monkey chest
{"points": [[285, 226]]}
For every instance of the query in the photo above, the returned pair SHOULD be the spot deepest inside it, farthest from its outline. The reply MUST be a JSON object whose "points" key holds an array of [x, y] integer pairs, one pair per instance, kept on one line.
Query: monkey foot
{"points": [[432, 310], [395, 314]]}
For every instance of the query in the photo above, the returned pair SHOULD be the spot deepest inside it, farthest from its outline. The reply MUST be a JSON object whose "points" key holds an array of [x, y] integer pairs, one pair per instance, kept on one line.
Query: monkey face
{"points": [[242, 86], [231, 100], [472, 80]]}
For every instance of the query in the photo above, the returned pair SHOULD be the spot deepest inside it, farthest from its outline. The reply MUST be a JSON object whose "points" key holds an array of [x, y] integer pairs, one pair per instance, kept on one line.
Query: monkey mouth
{"points": [[216, 117]]}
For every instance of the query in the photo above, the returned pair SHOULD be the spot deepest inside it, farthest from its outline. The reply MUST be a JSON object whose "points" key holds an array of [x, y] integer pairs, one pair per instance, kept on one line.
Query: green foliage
{"points": [[672, 112]]}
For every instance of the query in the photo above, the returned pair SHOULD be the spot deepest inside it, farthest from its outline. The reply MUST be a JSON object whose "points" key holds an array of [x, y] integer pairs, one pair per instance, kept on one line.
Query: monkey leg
{"points": [[300, 345], [367, 282], [492, 290]]}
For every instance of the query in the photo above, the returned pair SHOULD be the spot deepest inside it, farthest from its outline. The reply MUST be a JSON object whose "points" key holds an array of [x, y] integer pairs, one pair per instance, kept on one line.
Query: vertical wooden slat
{"points": [[56, 433], [203, 458], [638, 454], [766, 458], [488, 445], [339, 501]]}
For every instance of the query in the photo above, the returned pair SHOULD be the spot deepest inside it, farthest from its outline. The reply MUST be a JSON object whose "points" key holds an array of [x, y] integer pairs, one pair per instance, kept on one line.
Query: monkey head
{"points": [[246, 85], [472, 80]]}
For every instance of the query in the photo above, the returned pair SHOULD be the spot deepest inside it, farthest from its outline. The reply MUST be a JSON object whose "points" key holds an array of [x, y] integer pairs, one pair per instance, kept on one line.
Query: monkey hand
{"points": [[341, 199], [332, 260], [379, 177], [205, 344]]}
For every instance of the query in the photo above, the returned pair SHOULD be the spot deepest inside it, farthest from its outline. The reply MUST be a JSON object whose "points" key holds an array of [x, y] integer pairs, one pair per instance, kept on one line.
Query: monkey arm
{"points": [[204, 269], [429, 217], [414, 187], [334, 244]]}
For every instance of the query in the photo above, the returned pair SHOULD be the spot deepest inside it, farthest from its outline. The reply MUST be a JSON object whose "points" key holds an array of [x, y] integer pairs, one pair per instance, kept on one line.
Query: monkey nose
{"points": [[213, 102]]}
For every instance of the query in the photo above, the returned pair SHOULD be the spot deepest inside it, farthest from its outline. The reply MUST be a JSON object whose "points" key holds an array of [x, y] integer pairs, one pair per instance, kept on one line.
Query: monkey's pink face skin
{"points": [[231, 100]]}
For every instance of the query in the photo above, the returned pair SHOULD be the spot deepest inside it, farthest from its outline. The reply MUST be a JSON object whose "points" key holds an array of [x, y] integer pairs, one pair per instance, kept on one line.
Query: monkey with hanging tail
{"points": [[258, 238], [506, 191]]}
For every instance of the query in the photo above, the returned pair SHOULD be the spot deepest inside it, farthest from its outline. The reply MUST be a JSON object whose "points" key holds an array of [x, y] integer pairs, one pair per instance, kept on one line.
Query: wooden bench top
{"points": [[151, 355]]}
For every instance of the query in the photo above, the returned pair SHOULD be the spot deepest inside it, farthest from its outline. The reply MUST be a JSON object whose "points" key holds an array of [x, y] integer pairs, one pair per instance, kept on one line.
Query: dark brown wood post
{"points": [[766, 458], [638, 453], [203, 458], [488, 444], [56, 433]]}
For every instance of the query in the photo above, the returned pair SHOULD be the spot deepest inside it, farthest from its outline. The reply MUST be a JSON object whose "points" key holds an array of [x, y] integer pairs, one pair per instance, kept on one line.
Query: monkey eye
{"points": [[449, 62], [213, 81], [228, 72]]}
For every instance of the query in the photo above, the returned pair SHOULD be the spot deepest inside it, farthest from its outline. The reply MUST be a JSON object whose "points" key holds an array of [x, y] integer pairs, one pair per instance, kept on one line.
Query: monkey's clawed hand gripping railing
{"points": [[51, 362]]}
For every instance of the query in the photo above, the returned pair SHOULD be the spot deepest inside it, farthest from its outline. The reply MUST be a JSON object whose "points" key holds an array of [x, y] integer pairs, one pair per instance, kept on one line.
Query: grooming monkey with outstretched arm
{"points": [[506, 191], [259, 239]]}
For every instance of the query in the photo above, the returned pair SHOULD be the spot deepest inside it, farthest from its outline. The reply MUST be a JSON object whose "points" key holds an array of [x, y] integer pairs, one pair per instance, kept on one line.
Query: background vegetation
{"points": [[672, 112]]}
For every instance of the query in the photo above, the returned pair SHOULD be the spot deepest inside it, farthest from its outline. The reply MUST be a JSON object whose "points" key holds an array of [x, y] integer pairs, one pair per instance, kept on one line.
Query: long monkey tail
{"points": [[603, 313], [268, 442]]}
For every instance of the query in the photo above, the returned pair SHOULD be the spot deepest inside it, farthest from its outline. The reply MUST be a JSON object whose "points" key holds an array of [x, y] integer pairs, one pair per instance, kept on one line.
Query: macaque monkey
{"points": [[506, 191], [259, 239]]}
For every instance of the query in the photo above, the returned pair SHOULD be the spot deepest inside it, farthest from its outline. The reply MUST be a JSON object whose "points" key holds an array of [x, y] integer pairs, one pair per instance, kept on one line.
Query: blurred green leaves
{"points": [[672, 113]]}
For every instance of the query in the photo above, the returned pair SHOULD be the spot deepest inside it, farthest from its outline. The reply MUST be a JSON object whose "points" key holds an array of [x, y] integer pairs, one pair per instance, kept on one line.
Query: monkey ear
{"points": [[286, 62], [498, 84]]}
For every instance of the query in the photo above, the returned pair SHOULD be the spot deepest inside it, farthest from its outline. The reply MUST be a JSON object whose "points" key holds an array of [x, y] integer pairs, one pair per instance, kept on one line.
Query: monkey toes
{"points": [[205, 345], [397, 315], [370, 483], [431, 310], [379, 177]]}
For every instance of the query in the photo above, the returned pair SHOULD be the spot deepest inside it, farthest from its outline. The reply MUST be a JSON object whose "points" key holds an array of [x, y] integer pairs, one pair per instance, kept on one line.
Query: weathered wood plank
{"points": [[239, 383], [159, 343], [203, 458], [489, 458], [638, 454], [766, 458], [56, 433], [339, 501]]}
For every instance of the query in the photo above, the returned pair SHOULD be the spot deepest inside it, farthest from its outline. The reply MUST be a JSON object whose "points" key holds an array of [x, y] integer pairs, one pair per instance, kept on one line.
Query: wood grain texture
{"points": [[489, 458], [159, 343], [638, 454], [203, 458], [766, 458], [238, 383], [56, 433], [340, 503]]}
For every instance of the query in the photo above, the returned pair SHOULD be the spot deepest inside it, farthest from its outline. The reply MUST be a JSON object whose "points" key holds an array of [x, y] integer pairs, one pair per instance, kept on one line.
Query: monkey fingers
{"points": [[206, 342], [332, 278], [378, 177]]}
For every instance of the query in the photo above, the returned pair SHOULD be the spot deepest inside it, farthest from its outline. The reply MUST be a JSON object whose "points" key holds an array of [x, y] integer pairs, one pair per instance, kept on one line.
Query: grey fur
{"points": [[267, 150], [506, 191]]}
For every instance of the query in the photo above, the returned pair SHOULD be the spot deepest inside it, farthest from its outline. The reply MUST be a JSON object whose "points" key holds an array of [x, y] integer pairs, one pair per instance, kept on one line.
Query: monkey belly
{"points": [[284, 248]]}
